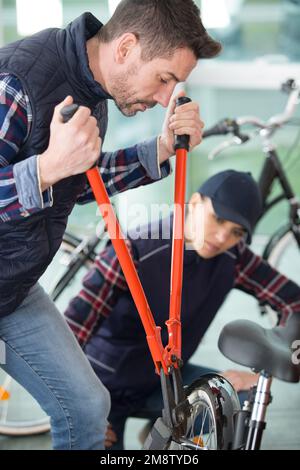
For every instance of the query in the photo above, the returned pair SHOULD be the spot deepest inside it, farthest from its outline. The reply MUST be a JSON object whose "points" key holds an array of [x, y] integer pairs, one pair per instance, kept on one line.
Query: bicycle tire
{"points": [[283, 253], [20, 427], [27, 429], [215, 394], [19, 401]]}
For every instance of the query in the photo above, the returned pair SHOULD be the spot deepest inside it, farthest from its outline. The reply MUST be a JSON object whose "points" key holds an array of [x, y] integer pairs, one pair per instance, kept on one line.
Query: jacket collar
{"points": [[75, 59]]}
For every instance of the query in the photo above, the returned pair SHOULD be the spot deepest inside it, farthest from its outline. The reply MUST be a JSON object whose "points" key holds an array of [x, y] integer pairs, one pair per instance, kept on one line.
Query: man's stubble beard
{"points": [[123, 97]]}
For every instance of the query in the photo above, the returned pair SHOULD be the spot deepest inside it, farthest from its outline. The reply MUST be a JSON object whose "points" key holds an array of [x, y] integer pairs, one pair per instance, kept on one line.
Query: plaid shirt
{"points": [[105, 282], [20, 192]]}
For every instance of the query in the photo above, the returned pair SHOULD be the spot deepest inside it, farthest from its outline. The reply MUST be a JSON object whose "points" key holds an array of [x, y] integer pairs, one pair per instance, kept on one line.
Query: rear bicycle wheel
{"points": [[283, 253], [20, 414], [210, 426], [202, 428]]}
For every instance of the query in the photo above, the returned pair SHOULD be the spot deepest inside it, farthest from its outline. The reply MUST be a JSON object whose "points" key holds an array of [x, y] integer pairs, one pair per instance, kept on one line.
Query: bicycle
{"points": [[287, 237], [210, 413], [80, 254]]}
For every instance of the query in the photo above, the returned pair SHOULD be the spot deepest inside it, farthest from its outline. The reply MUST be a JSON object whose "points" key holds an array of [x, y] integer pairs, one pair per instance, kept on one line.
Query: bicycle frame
{"points": [[83, 252], [250, 422], [272, 170], [257, 422]]}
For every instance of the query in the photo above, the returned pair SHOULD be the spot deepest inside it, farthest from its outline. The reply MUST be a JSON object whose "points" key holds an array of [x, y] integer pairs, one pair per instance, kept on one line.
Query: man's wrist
{"points": [[30, 196], [45, 174], [164, 153]]}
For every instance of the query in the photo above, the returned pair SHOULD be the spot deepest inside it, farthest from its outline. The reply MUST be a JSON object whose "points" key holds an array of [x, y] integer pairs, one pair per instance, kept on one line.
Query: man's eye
{"points": [[238, 233], [163, 81], [219, 220]]}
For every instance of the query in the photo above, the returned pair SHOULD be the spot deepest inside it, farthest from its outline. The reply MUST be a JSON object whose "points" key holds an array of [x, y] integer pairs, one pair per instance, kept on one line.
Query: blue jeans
{"points": [[44, 357], [152, 406]]}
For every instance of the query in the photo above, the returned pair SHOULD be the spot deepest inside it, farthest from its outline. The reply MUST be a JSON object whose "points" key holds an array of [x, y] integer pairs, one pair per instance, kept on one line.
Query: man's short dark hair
{"points": [[161, 26]]}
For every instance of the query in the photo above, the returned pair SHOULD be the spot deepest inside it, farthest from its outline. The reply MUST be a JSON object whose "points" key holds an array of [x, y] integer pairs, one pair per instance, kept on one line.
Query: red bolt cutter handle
{"points": [[174, 323], [152, 331]]}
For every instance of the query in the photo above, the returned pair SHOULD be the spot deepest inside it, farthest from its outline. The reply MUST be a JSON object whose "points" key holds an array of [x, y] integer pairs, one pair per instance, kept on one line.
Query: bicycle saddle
{"points": [[248, 344]]}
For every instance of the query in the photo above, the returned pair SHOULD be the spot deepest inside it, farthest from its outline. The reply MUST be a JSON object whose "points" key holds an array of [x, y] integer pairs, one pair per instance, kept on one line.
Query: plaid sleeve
{"points": [[101, 288], [20, 194], [129, 168], [256, 277]]}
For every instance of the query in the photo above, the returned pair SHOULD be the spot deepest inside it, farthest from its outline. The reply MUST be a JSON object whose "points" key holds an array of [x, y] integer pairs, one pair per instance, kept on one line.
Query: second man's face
{"points": [[207, 233]]}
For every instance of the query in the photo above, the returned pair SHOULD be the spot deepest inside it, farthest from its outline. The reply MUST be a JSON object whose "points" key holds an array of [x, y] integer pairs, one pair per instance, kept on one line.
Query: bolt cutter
{"points": [[167, 359]]}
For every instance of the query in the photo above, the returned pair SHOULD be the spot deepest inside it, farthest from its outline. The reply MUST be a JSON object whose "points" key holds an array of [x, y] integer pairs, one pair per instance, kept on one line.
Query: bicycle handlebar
{"points": [[266, 128]]}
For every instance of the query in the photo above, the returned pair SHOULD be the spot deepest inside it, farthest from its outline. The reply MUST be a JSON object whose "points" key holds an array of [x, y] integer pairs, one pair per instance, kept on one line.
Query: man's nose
{"points": [[163, 96]]}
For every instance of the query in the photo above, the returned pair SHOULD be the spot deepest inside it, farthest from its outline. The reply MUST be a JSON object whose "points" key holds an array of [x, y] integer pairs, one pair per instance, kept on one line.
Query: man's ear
{"points": [[195, 199], [125, 45]]}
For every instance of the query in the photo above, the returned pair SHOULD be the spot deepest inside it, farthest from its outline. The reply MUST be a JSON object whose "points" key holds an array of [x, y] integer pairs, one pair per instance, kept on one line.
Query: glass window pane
{"points": [[251, 28]]}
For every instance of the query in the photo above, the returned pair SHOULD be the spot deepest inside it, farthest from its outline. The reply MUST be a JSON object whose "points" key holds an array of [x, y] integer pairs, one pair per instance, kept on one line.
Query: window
{"points": [[251, 28]]}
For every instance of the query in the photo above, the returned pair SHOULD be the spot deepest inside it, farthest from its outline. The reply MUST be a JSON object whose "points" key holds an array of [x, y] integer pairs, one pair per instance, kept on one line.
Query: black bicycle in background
{"points": [[18, 414], [284, 244]]}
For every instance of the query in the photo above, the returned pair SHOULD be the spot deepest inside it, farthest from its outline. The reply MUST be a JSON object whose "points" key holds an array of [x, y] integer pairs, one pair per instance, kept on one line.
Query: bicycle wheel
{"points": [[20, 414], [210, 426], [59, 268], [283, 253]]}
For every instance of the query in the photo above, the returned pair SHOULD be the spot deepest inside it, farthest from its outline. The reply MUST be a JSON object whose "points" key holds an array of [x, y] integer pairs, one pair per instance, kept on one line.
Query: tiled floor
{"points": [[283, 417]]}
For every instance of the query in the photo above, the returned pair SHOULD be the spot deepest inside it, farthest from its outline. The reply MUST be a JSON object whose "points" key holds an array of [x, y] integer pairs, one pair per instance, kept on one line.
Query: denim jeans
{"points": [[152, 406], [44, 357]]}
